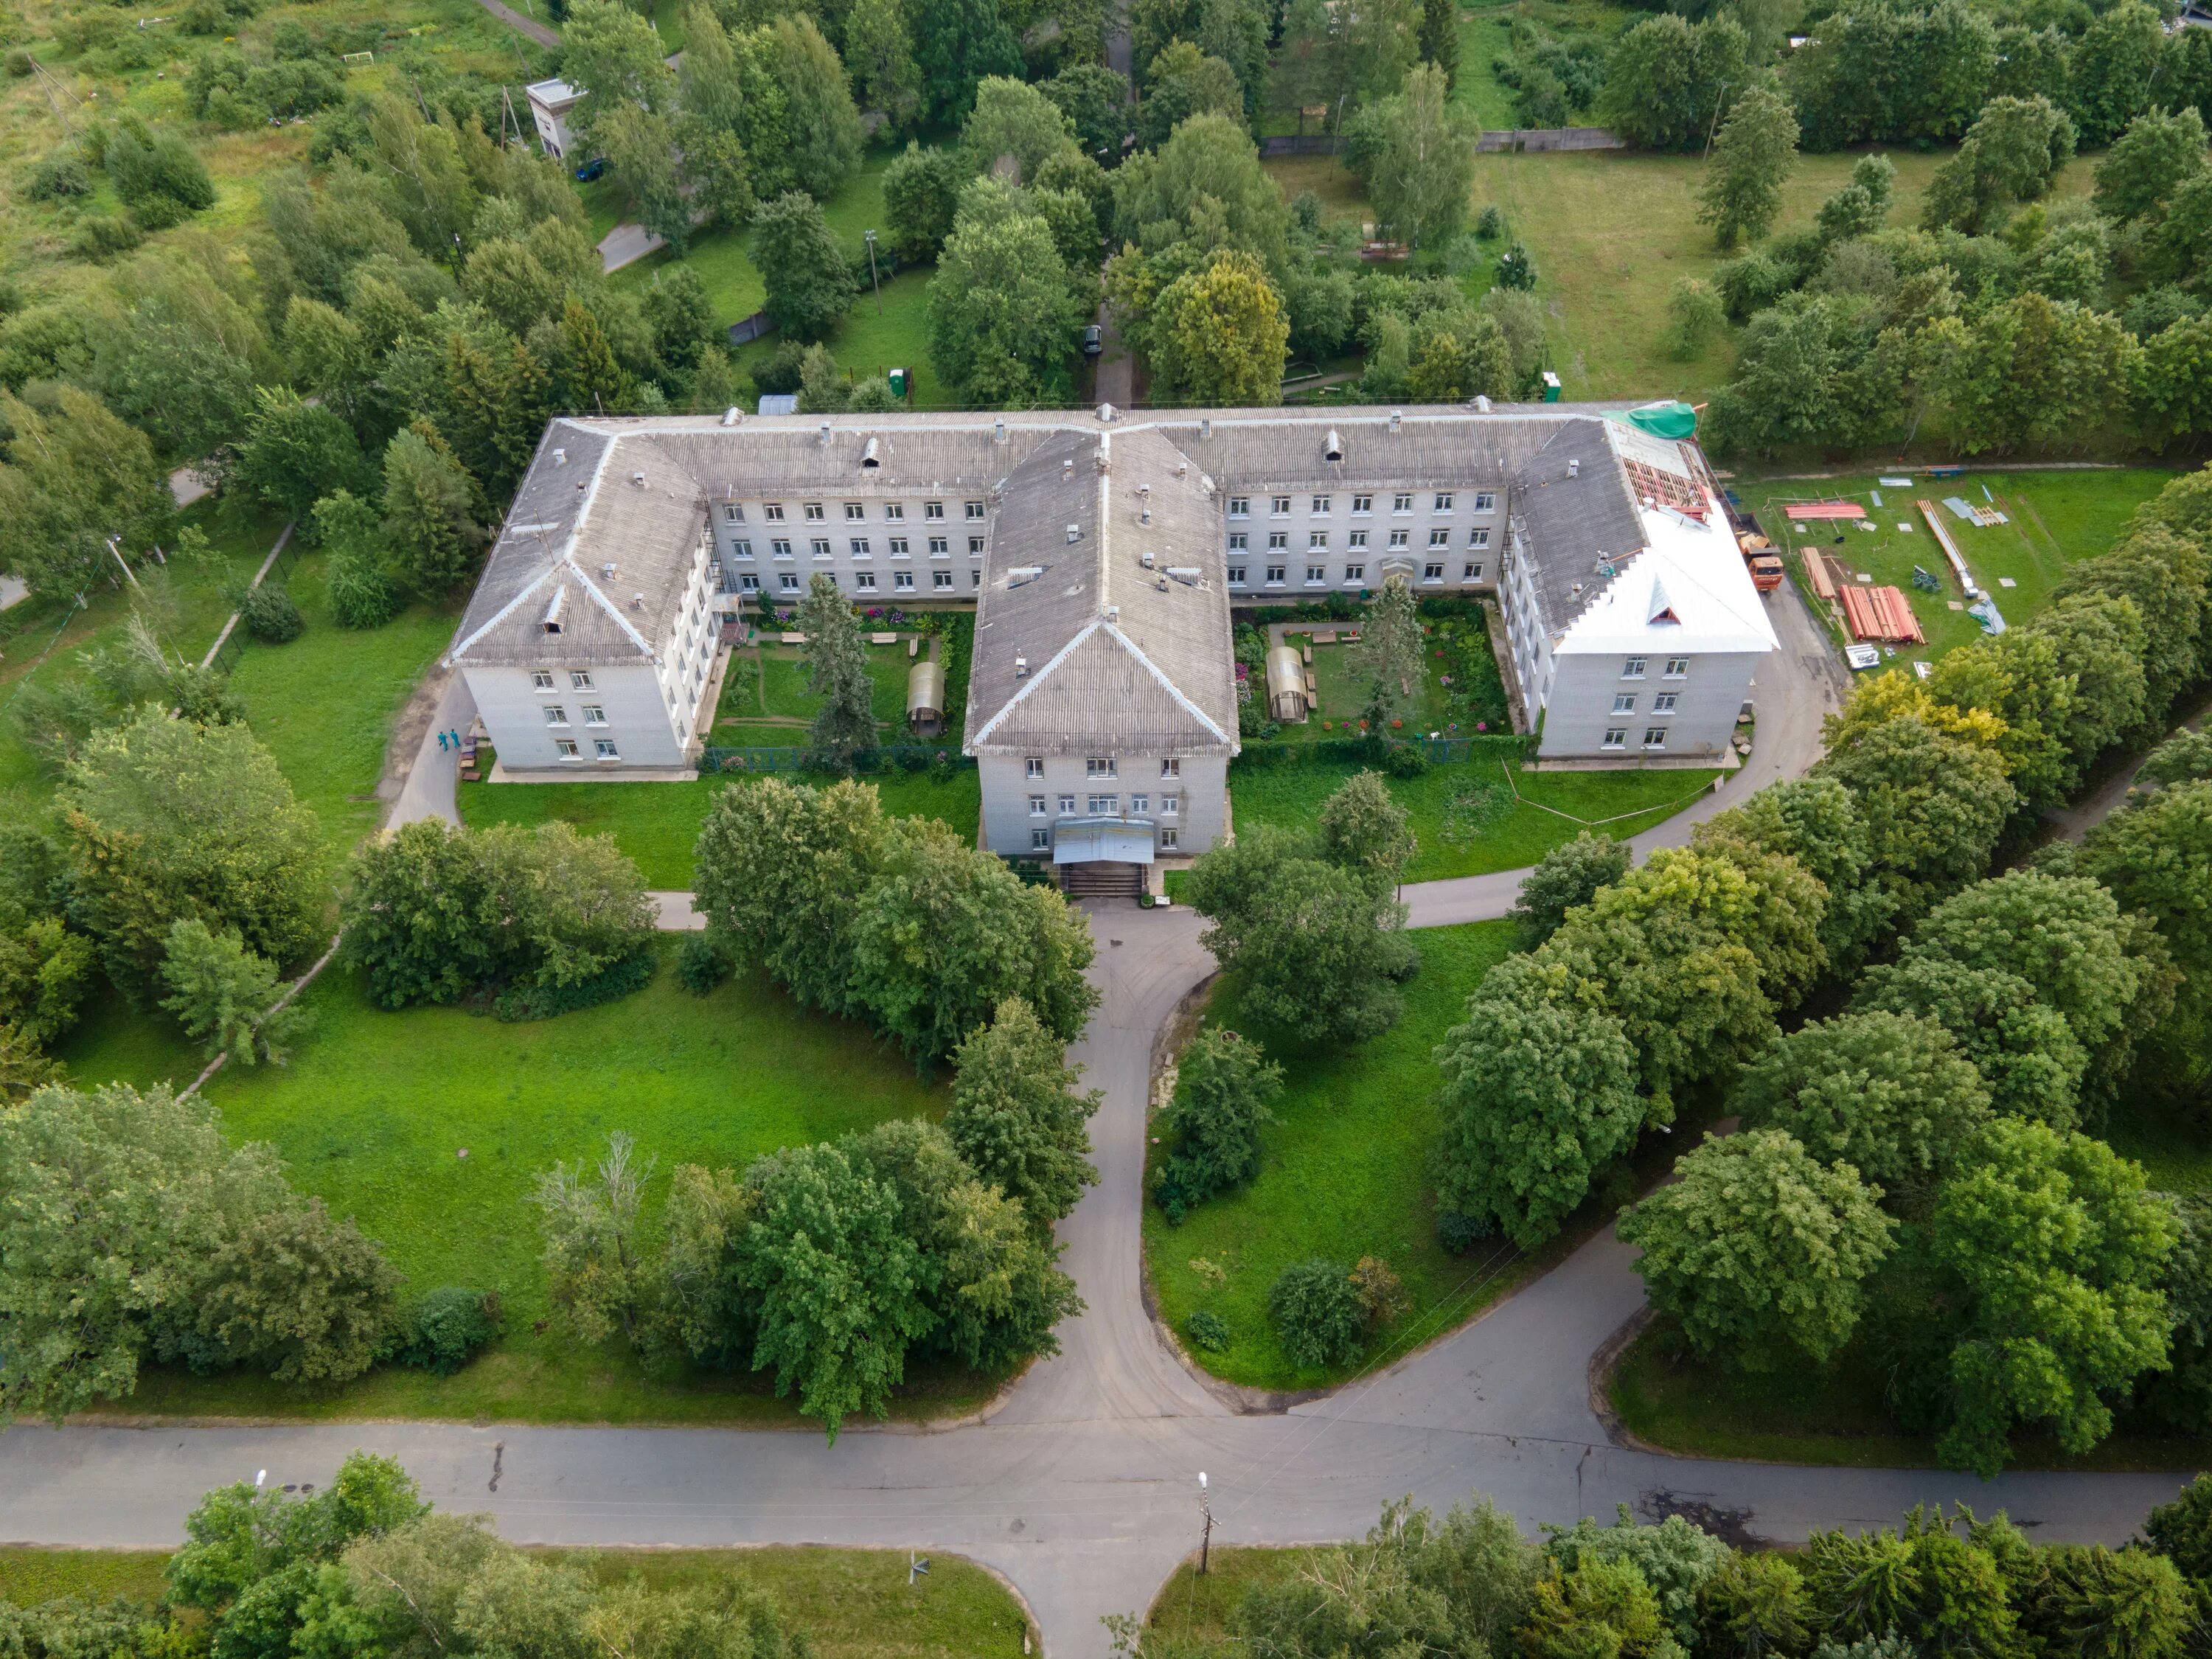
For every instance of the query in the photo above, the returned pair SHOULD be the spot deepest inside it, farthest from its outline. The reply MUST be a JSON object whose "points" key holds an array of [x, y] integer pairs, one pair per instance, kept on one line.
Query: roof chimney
{"points": [[1397, 417], [607, 571], [1105, 413], [729, 416], [638, 478], [825, 435], [559, 457], [1574, 468], [637, 601], [998, 432], [1206, 430], [1074, 533], [1113, 613]]}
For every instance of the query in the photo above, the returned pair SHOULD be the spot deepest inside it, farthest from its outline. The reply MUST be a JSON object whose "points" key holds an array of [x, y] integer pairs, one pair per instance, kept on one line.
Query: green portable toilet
{"points": [[901, 385], [1551, 387]]}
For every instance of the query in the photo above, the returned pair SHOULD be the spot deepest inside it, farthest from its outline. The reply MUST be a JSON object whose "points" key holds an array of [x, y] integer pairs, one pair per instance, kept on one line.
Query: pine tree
{"points": [[837, 672], [1390, 651], [589, 379], [1440, 37]]}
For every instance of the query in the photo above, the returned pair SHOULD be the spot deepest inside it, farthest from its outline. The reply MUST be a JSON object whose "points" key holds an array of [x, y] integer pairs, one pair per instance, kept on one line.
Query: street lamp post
{"points": [[873, 280], [1205, 1537]]}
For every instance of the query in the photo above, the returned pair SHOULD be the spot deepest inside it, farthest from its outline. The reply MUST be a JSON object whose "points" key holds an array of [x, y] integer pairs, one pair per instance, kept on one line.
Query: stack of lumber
{"points": [[1803, 510], [1816, 571], [1880, 613]]}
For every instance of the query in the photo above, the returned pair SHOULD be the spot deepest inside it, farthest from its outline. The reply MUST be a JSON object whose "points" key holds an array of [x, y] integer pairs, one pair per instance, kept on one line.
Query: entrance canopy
{"points": [[1108, 843]]}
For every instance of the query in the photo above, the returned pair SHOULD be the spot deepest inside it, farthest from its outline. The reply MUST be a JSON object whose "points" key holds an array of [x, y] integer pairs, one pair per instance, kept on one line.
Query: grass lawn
{"points": [[325, 702], [40, 643], [781, 683], [1345, 1176], [1464, 813], [867, 343], [374, 1110], [1198, 1610], [2055, 518], [658, 823], [852, 1604], [1831, 1418]]}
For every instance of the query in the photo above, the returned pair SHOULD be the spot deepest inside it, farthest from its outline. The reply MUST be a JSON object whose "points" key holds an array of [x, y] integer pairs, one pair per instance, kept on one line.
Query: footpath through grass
{"points": [[429, 1128], [2056, 518], [851, 1603], [1465, 814], [1346, 1174], [657, 825]]}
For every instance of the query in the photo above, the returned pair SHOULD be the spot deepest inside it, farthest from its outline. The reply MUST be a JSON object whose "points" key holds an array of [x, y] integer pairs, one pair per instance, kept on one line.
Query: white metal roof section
{"points": [[1687, 594]]}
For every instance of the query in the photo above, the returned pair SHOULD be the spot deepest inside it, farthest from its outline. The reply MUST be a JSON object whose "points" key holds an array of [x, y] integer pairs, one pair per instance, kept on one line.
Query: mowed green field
{"points": [[657, 825], [850, 1604], [1464, 813], [2055, 518], [429, 1127], [1345, 1176]]}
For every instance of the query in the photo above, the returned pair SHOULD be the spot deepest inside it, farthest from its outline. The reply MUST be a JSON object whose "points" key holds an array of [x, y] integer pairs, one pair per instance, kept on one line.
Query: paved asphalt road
{"points": [[1080, 1482]]}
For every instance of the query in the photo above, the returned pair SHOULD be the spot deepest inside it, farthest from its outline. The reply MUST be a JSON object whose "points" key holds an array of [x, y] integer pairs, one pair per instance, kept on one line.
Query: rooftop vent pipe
{"points": [[998, 432], [638, 478], [559, 457], [729, 416], [607, 571], [1397, 418], [1074, 533], [1331, 448], [1574, 469], [637, 601], [825, 435]]}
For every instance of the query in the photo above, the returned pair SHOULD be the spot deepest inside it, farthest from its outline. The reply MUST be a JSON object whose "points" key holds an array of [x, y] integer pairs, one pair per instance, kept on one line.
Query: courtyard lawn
{"points": [[1830, 1417], [851, 1603], [1464, 813], [2056, 518], [1345, 1176], [429, 1127], [783, 690], [657, 825]]}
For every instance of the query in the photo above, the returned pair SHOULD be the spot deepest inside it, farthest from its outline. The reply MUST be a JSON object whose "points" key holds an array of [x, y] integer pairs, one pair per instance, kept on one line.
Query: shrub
{"points": [[1515, 267], [1206, 1330], [1381, 1294], [270, 616], [20, 63], [778, 372], [1459, 1233], [1406, 760], [63, 173], [544, 1001], [1490, 223], [100, 237], [701, 965], [449, 1327], [362, 595], [1317, 1315]]}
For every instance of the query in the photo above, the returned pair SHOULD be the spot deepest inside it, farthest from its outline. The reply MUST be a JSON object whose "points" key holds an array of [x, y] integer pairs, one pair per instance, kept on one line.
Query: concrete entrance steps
{"points": [[1101, 880]]}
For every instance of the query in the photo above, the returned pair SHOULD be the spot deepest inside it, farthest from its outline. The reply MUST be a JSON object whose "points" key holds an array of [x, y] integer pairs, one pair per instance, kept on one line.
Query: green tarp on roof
{"points": [[1671, 419]]}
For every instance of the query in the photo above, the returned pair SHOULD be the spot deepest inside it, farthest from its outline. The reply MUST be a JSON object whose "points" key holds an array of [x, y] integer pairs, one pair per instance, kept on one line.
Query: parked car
{"points": [[591, 169], [1094, 341]]}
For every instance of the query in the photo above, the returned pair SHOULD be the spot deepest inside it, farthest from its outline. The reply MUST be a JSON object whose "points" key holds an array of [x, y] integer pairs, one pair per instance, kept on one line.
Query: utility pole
{"points": [[1720, 102], [118, 551], [873, 280], [1205, 1537]]}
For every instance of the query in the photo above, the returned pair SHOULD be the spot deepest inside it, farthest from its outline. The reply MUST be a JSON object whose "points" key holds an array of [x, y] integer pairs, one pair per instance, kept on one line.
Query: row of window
{"points": [[1616, 737], [557, 715], [864, 581], [1632, 669], [1099, 766], [1140, 806], [1355, 576], [940, 547], [1278, 541], [602, 749], [580, 679], [855, 512], [1041, 839], [1623, 702], [1279, 507]]}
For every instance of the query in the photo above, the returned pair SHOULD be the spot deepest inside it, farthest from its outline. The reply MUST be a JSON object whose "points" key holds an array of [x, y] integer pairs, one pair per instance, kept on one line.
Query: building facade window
{"points": [[1432, 572], [1616, 737], [1362, 503], [1321, 507], [1171, 767], [555, 715], [975, 547], [1236, 575], [749, 583], [820, 546], [1632, 669], [901, 582], [939, 547], [1099, 766], [1471, 573], [975, 578], [1354, 574], [1240, 507], [895, 512], [940, 579], [1398, 539], [1274, 575], [1664, 703], [859, 547], [899, 548], [933, 512], [1037, 808], [566, 748], [1623, 702], [603, 749], [1316, 575], [973, 510], [864, 581], [1403, 502], [780, 548], [1067, 807], [773, 512], [1484, 501], [1279, 507], [814, 514], [1477, 539], [1316, 541], [1440, 538], [594, 716], [732, 513], [1039, 841], [1170, 806], [788, 582], [1034, 766], [1100, 807], [1444, 500], [1168, 840], [1278, 541], [854, 512], [741, 550], [542, 678], [1356, 540], [1655, 736], [1238, 541], [1139, 805], [1677, 667]]}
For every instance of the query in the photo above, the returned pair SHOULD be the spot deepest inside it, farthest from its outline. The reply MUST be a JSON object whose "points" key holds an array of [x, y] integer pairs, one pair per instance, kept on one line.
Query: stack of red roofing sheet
{"points": [[1824, 510], [1880, 613]]}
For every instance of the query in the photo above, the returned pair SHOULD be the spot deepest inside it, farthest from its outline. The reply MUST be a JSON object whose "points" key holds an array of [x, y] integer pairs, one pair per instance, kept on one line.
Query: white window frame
{"points": [[1363, 504], [1169, 838], [1623, 702], [864, 581], [1440, 537], [1275, 575], [1484, 501], [1279, 507], [1471, 572], [1433, 571], [1616, 737], [773, 512], [939, 579], [541, 679], [1402, 501], [1443, 502], [1477, 539], [1039, 807], [1355, 576], [1655, 736], [1316, 541], [972, 511], [1316, 576], [1099, 766], [603, 749], [1632, 669], [901, 582], [855, 512], [1039, 841], [1033, 766], [1236, 575], [1677, 668], [933, 512], [815, 514], [566, 749], [594, 714], [1664, 702], [1240, 507], [555, 715]]}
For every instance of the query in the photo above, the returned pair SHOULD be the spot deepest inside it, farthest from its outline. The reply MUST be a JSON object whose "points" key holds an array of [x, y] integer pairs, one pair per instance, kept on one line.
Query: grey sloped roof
{"points": [[1575, 523], [789, 454], [1118, 657], [1252, 449], [588, 501]]}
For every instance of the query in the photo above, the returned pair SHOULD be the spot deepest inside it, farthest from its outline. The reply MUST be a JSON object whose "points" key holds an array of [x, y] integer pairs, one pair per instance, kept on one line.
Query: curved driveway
{"points": [[1080, 1484]]}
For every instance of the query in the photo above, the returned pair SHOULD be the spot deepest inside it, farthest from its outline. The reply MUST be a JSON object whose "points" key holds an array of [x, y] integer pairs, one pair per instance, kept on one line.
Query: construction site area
{"points": [[1903, 566]]}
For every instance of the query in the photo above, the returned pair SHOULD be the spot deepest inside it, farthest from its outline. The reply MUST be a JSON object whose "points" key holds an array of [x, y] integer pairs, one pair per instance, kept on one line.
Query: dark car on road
{"points": [[1094, 341], [591, 169]]}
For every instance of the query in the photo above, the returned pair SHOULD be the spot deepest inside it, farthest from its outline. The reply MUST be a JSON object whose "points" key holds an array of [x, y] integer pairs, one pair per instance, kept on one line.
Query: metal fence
{"points": [[752, 328], [1547, 138], [1437, 751], [1311, 143], [892, 757]]}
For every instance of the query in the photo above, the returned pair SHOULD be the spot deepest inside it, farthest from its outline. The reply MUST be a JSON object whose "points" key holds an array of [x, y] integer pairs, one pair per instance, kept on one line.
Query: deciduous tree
{"points": [[1224, 1083], [1569, 874], [836, 672], [1015, 1116], [1416, 150], [1219, 335], [1751, 161], [809, 280]]}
